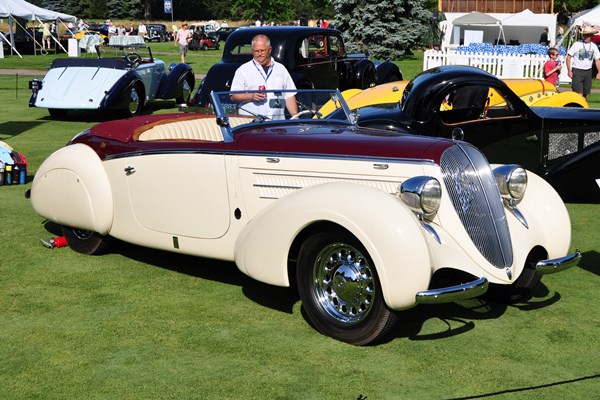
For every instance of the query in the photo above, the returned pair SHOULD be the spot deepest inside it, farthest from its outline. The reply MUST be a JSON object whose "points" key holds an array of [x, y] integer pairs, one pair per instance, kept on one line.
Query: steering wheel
{"points": [[134, 58], [302, 113]]}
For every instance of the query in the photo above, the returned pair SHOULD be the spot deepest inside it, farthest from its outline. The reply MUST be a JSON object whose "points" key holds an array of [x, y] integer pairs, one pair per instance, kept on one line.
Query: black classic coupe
{"points": [[315, 57], [562, 144]]}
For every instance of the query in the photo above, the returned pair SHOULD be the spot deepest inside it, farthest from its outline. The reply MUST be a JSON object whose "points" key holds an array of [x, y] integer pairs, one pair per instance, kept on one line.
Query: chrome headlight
{"points": [[512, 181], [422, 194]]}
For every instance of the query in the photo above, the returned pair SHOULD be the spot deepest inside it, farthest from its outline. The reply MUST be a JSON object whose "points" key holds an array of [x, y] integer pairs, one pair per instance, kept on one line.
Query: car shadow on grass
{"points": [[12, 129], [277, 298], [434, 322]]}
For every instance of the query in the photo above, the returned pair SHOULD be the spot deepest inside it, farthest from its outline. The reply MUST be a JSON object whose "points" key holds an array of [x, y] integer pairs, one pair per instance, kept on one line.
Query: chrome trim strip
{"points": [[432, 232], [263, 185], [344, 157], [453, 293], [558, 264], [519, 215]]}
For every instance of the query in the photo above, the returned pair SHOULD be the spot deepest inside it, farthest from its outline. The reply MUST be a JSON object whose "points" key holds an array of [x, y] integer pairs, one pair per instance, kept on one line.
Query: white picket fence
{"points": [[501, 65]]}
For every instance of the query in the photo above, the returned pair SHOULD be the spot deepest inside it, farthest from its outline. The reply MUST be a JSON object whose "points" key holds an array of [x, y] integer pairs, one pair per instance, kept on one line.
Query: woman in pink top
{"points": [[552, 67]]}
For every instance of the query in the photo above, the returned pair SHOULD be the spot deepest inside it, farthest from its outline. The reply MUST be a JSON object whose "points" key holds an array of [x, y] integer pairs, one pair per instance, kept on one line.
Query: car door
{"points": [[316, 61], [179, 193], [503, 128]]}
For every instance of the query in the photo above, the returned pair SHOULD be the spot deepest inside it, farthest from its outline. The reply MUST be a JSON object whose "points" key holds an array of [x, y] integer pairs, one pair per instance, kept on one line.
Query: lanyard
{"points": [[266, 78]]}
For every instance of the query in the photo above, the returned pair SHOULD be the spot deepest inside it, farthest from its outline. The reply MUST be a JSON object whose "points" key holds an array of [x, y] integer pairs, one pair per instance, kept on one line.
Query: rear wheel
{"points": [[85, 242], [57, 113], [186, 91], [135, 101], [340, 290]]}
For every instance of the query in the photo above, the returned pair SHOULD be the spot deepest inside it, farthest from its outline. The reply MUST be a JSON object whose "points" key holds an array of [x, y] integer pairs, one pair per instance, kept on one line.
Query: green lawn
{"points": [[144, 324]]}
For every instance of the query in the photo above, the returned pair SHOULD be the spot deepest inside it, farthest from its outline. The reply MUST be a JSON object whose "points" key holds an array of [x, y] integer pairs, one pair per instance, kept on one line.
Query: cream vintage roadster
{"points": [[364, 222]]}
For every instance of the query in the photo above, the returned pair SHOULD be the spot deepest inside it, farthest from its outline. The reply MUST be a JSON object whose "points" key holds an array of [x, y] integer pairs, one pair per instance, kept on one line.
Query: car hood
{"points": [[76, 87]]}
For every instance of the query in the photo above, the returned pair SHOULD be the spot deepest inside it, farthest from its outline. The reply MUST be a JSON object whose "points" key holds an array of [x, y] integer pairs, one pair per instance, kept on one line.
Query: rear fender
{"points": [[170, 87], [71, 188], [118, 96], [387, 229]]}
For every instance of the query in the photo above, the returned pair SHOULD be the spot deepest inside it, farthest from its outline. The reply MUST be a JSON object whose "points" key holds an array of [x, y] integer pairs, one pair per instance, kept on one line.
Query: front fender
{"points": [[387, 229], [71, 188]]}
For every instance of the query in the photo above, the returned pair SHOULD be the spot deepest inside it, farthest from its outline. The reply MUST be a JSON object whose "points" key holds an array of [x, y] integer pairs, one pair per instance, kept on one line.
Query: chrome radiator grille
{"points": [[476, 199]]}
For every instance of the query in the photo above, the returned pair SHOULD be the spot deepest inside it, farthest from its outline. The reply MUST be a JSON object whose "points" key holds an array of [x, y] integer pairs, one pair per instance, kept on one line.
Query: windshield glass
{"points": [[264, 106]]}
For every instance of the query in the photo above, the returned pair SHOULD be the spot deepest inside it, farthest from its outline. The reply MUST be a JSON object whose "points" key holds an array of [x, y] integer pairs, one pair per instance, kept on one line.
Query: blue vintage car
{"points": [[119, 79]]}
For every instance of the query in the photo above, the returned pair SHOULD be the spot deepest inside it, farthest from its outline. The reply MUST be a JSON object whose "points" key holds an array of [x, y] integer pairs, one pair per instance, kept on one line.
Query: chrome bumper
{"points": [[558, 264], [453, 293]]}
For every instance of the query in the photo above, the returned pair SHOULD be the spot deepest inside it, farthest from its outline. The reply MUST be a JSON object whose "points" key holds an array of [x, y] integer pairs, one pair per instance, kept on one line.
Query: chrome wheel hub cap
{"points": [[134, 101], [344, 283]]}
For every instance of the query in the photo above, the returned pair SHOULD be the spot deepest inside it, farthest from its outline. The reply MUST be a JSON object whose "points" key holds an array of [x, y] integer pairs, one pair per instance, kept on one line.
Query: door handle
{"points": [[274, 160], [532, 138], [129, 170]]}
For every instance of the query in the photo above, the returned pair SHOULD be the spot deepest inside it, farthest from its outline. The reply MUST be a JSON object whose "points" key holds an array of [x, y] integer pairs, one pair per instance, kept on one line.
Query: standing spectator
{"points": [[130, 30], [53, 29], [262, 73], [324, 24], [112, 29], [45, 35], [224, 24], [182, 39], [121, 31], [142, 30], [580, 57], [552, 67], [544, 38], [257, 23], [70, 28]]}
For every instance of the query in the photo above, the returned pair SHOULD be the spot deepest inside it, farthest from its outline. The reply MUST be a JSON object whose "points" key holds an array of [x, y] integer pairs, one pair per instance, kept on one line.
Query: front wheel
{"points": [[85, 242], [340, 290]]}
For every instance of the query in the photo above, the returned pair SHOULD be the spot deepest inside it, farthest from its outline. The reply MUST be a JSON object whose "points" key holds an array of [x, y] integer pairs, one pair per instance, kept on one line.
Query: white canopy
{"points": [[30, 12], [524, 27], [490, 28], [476, 18], [527, 27], [591, 16]]}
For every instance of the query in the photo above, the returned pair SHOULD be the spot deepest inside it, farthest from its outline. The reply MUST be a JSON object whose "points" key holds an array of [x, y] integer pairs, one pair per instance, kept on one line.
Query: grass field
{"points": [[144, 324]]}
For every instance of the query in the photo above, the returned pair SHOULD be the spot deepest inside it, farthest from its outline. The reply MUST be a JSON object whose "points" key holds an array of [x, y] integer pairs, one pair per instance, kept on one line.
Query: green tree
{"points": [[386, 29]]}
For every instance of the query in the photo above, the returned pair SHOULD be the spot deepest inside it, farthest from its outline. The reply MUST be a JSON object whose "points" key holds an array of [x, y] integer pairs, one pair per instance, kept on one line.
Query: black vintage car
{"points": [[315, 57], [157, 33], [467, 103]]}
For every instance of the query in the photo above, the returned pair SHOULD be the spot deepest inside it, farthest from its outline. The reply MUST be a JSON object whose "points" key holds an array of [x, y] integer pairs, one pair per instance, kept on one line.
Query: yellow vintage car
{"points": [[534, 92]]}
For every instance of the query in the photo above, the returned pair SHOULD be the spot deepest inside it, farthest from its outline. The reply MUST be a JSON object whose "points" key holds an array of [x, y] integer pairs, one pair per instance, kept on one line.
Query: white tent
{"points": [[591, 17], [30, 12], [488, 27], [12, 9], [526, 27]]}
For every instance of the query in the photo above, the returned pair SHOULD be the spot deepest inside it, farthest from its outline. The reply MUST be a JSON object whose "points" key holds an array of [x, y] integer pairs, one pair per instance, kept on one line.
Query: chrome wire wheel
{"points": [[343, 283], [340, 289], [134, 101]]}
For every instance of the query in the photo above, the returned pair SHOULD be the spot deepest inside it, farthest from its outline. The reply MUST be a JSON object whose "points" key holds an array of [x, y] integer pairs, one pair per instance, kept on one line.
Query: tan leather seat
{"points": [[205, 129]]}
